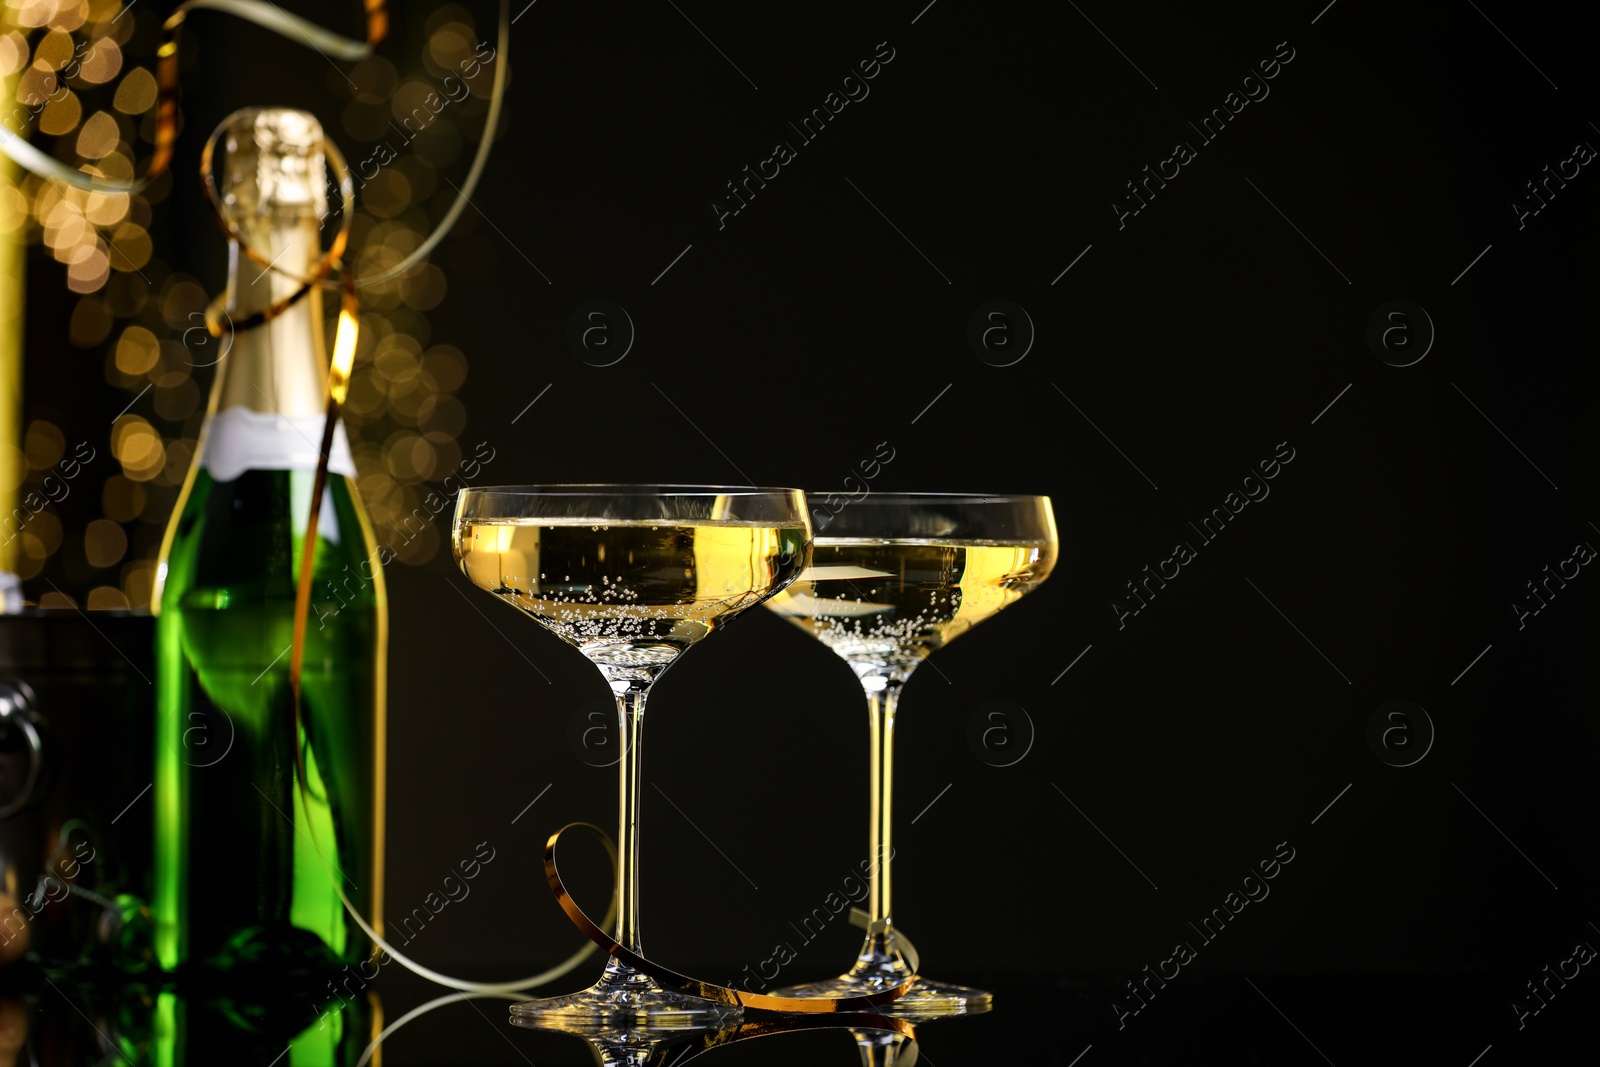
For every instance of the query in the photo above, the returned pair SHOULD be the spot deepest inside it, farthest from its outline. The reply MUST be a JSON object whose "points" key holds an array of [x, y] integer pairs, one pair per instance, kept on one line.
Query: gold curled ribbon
{"points": [[695, 987]]}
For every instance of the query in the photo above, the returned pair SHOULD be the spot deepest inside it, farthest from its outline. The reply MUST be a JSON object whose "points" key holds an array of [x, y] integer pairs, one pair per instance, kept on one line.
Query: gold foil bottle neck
{"points": [[274, 165]]}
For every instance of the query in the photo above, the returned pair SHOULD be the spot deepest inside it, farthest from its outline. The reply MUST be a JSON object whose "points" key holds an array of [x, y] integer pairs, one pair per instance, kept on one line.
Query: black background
{"points": [[1226, 716]]}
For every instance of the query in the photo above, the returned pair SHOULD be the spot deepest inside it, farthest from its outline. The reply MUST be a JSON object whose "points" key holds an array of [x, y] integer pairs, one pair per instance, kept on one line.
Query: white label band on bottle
{"points": [[240, 439]]}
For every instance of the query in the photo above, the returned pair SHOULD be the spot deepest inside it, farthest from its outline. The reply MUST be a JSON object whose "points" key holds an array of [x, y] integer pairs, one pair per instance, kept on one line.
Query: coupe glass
{"points": [[631, 575], [894, 578]]}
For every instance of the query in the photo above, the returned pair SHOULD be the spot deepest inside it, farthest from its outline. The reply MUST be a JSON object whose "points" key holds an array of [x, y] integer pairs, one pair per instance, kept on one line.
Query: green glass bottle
{"points": [[242, 854]]}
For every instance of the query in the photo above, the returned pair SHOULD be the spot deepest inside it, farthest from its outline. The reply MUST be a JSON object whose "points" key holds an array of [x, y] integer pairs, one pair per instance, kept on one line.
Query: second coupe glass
{"points": [[894, 578], [631, 576]]}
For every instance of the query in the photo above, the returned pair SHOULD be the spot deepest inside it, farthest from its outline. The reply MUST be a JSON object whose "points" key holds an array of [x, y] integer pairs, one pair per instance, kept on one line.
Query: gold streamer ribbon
{"points": [[695, 987]]}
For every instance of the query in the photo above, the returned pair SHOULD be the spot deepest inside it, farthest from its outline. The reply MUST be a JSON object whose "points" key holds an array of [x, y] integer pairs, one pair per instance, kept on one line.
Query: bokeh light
{"points": [[81, 75]]}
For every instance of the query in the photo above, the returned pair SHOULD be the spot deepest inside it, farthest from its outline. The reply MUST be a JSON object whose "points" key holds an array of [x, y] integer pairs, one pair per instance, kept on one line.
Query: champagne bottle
{"points": [[242, 852]]}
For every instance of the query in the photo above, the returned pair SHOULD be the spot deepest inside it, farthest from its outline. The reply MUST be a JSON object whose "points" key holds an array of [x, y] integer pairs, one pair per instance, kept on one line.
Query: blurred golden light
{"points": [[403, 419], [138, 448], [54, 50], [105, 209], [136, 93], [13, 53], [89, 272], [69, 14], [446, 366], [101, 62], [32, 547], [182, 300], [138, 580], [131, 246], [116, 165], [397, 358], [43, 444], [107, 598], [121, 498], [61, 114], [450, 44], [98, 136], [365, 397], [90, 323], [410, 101], [104, 543], [137, 350], [45, 529]]}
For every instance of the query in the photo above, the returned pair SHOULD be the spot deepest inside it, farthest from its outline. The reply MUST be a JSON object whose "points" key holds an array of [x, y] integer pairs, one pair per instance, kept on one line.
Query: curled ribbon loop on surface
{"points": [[694, 987], [696, 1044]]}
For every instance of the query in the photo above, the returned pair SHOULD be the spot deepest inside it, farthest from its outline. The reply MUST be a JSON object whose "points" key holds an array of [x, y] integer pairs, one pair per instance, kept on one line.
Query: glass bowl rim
{"points": [[895, 496], [629, 489]]}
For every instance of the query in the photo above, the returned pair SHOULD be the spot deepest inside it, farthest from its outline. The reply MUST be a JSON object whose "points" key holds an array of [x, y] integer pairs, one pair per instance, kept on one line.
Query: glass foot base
{"points": [[623, 999], [926, 999]]}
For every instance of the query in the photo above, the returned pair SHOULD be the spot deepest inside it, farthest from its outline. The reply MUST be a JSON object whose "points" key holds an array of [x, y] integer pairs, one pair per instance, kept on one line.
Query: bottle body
{"points": [[241, 862], [248, 859]]}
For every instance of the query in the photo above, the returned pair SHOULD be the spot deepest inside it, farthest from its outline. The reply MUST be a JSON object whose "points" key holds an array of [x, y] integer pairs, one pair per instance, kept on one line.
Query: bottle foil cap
{"points": [[274, 163]]}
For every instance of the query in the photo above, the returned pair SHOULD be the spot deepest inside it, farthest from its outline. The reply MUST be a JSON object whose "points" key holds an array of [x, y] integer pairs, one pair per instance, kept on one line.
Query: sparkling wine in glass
{"points": [[631, 576], [894, 578]]}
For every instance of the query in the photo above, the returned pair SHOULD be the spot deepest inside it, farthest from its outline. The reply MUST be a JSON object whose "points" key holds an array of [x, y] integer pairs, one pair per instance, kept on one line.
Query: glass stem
{"points": [[880, 956], [630, 714]]}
